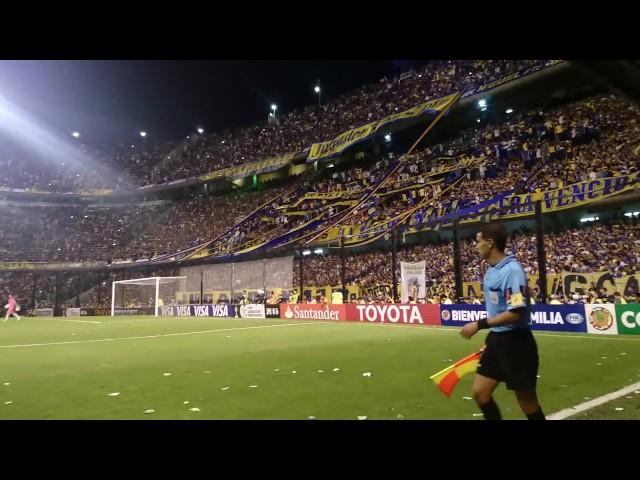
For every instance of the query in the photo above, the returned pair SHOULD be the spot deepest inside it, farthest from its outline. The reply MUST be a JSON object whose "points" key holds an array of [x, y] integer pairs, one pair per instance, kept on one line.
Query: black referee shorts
{"points": [[511, 357]]}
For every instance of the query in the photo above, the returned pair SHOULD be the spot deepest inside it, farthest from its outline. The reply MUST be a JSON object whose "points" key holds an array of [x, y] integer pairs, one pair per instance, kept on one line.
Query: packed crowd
{"points": [[292, 209], [603, 247], [191, 222], [63, 233], [78, 168], [148, 162], [596, 137], [593, 138], [612, 246], [585, 140], [299, 129]]}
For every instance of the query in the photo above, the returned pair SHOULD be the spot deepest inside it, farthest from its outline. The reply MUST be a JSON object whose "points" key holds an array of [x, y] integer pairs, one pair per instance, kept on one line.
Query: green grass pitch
{"points": [[59, 368]]}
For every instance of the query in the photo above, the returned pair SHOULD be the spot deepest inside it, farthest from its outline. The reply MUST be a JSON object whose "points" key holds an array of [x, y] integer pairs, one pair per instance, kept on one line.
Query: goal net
{"points": [[227, 282], [145, 295]]}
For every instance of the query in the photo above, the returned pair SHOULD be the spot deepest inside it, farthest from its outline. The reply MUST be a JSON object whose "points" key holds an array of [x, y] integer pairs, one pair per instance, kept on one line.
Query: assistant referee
{"points": [[511, 353]]}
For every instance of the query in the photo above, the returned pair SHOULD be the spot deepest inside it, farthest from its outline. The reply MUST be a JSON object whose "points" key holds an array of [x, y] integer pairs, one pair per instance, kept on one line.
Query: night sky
{"points": [[110, 101]]}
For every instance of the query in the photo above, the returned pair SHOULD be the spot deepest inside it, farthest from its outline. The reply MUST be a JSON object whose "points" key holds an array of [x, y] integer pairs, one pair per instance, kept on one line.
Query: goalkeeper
{"points": [[12, 308]]}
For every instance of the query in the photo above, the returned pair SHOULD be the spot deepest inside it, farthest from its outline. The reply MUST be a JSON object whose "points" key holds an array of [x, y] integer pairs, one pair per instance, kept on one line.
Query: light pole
{"points": [[319, 92]]}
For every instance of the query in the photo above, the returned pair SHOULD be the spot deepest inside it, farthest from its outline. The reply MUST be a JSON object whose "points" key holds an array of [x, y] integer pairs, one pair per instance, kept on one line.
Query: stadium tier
{"points": [[358, 199]]}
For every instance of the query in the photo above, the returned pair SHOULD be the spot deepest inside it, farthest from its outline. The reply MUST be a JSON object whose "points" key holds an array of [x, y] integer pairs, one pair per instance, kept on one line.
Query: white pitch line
{"points": [[156, 336], [451, 329], [80, 321], [583, 407]]}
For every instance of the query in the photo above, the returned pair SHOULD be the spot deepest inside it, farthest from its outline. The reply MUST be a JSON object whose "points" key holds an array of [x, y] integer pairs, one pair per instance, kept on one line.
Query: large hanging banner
{"points": [[252, 168], [571, 196], [509, 78], [412, 275], [331, 148], [582, 282]]}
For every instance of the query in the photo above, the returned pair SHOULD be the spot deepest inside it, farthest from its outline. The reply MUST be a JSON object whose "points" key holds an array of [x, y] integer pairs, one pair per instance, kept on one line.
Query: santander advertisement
{"points": [[312, 312]]}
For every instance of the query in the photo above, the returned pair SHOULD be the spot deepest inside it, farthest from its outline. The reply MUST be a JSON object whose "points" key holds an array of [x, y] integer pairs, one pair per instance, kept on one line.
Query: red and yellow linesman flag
{"points": [[447, 379]]}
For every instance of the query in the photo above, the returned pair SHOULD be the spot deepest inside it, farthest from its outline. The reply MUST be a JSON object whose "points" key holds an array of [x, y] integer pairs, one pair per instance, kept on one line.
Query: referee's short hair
{"points": [[496, 232]]}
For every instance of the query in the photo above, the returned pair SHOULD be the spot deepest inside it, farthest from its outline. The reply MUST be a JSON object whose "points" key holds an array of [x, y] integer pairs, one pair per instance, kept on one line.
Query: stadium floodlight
{"points": [[478, 120], [631, 214], [76, 134], [509, 110], [306, 252], [318, 251], [143, 134], [482, 103], [387, 137], [589, 219], [317, 89], [200, 130], [274, 107], [140, 292]]}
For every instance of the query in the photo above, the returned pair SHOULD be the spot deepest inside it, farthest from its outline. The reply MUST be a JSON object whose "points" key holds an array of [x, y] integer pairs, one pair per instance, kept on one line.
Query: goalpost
{"points": [[146, 293]]}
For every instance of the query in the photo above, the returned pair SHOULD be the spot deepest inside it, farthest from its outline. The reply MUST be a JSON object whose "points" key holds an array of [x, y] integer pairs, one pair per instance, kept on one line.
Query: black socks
{"points": [[492, 412], [537, 415]]}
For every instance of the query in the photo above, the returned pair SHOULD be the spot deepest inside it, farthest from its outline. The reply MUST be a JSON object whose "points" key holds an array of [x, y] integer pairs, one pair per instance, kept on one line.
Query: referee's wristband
{"points": [[483, 323]]}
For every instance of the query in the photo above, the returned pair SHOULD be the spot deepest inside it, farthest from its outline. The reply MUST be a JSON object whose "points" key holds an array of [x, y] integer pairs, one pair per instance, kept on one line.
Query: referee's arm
{"points": [[506, 317]]}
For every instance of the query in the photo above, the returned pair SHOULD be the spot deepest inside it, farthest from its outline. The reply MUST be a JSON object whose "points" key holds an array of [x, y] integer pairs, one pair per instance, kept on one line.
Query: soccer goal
{"points": [[145, 295]]}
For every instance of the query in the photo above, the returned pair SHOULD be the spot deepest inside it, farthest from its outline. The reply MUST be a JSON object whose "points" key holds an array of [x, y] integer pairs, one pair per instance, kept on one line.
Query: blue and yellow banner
{"points": [[253, 168], [571, 196], [6, 266], [331, 148], [509, 78]]}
